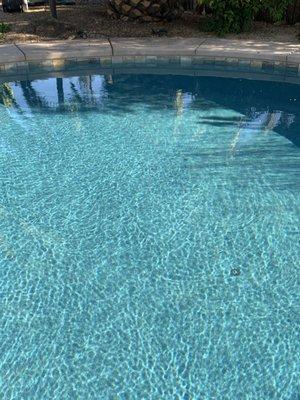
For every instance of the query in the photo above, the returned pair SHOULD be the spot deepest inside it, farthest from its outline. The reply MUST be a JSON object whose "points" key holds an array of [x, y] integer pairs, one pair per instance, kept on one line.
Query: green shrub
{"points": [[237, 15], [276, 8]]}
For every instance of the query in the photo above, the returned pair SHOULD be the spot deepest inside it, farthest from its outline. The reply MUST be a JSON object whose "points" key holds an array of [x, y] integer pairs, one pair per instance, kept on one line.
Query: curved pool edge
{"points": [[271, 61]]}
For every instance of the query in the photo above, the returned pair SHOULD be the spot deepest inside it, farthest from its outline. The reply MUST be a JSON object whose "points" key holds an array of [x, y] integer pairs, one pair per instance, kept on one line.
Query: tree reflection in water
{"points": [[125, 93]]}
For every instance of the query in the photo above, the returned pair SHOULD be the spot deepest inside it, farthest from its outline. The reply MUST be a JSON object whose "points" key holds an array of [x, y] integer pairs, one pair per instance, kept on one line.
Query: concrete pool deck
{"points": [[249, 56]]}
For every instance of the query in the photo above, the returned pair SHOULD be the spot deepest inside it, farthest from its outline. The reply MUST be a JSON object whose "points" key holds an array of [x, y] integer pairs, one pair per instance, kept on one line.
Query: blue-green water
{"points": [[149, 239]]}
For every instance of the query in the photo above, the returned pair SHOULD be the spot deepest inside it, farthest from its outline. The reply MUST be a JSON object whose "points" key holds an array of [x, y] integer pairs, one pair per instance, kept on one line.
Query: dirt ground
{"points": [[92, 22]]}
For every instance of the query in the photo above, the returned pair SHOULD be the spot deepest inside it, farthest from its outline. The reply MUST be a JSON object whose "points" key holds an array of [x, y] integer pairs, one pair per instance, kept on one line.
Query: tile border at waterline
{"points": [[236, 68]]}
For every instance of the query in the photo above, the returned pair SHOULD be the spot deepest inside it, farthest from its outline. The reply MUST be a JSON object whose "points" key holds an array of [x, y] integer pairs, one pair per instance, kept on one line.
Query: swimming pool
{"points": [[149, 238]]}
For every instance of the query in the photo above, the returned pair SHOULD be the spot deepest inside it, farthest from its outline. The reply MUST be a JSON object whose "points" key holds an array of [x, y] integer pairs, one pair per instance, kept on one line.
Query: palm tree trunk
{"points": [[53, 8]]}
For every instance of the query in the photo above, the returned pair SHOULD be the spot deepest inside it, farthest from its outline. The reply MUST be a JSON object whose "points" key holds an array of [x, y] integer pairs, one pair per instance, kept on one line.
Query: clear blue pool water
{"points": [[149, 239]]}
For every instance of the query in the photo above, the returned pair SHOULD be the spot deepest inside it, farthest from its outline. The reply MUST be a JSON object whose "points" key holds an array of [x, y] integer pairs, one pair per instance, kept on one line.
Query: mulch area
{"points": [[91, 22]]}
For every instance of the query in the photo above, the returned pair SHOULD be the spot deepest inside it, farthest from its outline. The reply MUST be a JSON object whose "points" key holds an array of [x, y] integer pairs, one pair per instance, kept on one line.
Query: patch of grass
{"points": [[4, 28]]}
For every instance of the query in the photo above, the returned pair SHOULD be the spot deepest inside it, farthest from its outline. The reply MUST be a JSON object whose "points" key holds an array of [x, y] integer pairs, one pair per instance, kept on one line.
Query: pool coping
{"points": [[196, 56]]}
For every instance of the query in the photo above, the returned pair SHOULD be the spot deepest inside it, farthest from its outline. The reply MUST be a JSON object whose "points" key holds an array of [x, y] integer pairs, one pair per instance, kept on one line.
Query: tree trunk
{"points": [[53, 8], [293, 12], [25, 5], [145, 10]]}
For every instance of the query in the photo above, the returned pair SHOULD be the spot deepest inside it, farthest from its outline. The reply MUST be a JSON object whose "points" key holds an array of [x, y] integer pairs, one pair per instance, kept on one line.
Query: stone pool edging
{"points": [[193, 56]]}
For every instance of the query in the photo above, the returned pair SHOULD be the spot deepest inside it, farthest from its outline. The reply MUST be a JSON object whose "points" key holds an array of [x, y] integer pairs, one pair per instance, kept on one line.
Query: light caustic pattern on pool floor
{"points": [[149, 239]]}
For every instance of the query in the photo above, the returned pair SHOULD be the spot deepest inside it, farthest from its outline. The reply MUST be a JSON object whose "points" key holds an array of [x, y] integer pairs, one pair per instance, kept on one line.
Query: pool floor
{"points": [[149, 239]]}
